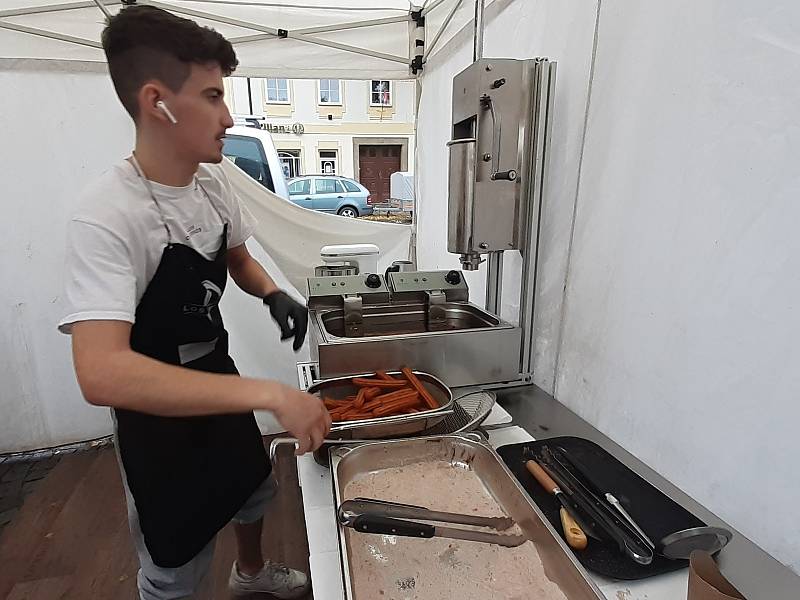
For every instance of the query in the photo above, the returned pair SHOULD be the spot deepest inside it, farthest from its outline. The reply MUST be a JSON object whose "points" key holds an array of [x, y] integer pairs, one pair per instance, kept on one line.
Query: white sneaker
{"points": [[274, 578]]}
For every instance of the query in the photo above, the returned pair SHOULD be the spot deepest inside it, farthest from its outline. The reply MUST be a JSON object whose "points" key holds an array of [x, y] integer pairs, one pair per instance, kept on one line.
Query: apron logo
{"points": [[213, 295]]}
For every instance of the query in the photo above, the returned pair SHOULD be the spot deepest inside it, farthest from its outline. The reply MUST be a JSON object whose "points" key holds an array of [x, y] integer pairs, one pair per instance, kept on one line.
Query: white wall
{"points": [[59, 131], [680, 337]]}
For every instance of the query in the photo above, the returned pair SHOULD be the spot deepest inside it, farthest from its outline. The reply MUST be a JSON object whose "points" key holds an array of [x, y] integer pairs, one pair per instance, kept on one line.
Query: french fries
{"points": [[382, 395]]}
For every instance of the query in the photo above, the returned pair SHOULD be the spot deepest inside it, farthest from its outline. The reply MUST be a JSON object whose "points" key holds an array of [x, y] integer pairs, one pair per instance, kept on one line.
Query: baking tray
{"points": [[469, 410], [656, 513], [386, 427], [469, 452]]}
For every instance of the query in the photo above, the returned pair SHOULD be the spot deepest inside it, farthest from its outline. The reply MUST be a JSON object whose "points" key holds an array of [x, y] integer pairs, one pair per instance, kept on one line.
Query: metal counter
{"points": [[755, 573]]}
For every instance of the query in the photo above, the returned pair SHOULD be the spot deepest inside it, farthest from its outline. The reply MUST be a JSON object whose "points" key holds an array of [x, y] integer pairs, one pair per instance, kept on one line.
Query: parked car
{"points": [[331, 194], [251, 149]]}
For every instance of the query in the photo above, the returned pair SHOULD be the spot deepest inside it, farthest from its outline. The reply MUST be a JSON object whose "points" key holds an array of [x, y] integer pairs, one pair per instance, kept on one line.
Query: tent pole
{"points": [[51, 35], [33, 10], [352, 25], [477, 48], [274, 32], [494, 260], [445, 23], [103, 9], [433, 6]]}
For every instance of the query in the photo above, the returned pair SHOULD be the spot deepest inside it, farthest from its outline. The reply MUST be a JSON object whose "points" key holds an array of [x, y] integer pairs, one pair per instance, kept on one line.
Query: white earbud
{"points": [[162, 105]]}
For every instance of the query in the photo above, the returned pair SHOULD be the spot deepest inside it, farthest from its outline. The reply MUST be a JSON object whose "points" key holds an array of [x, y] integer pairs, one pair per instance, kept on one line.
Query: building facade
{"points": [[358, 129]]}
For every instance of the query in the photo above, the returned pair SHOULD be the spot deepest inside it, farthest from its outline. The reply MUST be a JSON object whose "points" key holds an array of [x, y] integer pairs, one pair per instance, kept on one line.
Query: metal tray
{"points": [[463, 451], [386, 427]]}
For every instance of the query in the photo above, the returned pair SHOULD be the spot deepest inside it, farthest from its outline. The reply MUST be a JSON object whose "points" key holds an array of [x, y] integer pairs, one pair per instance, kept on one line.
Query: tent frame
{"points": [[415, 17]]}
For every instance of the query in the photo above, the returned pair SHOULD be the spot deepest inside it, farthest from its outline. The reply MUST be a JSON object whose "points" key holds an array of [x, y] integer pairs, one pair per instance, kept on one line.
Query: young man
{"points": [[148, 257]]}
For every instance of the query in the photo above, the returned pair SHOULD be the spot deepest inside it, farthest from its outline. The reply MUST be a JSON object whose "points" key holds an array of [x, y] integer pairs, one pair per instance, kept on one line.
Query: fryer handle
{"points": [[388, 526]]}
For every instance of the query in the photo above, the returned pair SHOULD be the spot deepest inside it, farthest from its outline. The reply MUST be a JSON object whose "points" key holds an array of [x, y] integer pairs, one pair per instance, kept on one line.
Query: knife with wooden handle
{"points": [[573, 532]]}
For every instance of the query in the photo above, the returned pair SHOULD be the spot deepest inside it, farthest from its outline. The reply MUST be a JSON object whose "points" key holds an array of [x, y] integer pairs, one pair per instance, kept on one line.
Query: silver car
{"points": [[331, 194]]}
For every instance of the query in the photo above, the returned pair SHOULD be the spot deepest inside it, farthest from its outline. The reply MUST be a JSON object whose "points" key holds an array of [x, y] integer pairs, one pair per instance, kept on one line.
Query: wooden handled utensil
{"points": [[573, 533]]}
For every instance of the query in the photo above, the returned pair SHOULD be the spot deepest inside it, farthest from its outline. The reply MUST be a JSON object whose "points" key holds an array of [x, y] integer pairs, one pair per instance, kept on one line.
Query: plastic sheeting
{"points": [[292, 236]]}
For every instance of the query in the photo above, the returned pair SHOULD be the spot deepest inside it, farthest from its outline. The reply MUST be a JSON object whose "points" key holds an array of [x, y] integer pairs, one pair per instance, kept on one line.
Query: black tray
{"points": [[654, 512]]}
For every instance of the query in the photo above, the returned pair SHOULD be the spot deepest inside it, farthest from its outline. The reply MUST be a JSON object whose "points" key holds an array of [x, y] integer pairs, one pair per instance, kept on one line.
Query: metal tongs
{"points": [[599, 514], [390, 518]]}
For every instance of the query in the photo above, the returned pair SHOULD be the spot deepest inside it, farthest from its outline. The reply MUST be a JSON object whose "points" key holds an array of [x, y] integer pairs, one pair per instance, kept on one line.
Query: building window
{"points": [[330, 91], [327, 162], [290, 163], [380, 93], [278, 91]]}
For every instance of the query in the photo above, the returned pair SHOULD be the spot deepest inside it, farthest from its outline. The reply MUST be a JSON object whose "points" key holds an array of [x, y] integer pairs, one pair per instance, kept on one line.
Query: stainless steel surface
{"points": [[492, 101], [755, 573], [329, 291], [374, 524], [501, 539], [386, 320], [477, 32], [399, 266], [350, 509], [494, 282], [490, 213], [461, 197], [436, 312], [533, 189], [410, 285], [416, 318], [502, 120], [681, 544], [353, 311], [612, 500], [467, 453], [292, 441], [478, 348]]}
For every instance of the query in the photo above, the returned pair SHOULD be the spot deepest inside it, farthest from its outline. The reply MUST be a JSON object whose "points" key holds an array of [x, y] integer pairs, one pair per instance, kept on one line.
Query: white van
{"points": [[251, 149]]}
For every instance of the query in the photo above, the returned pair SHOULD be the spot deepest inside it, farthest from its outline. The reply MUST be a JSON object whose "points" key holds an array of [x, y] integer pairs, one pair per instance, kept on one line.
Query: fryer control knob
{"points": [[453, 278], [373, 281]]}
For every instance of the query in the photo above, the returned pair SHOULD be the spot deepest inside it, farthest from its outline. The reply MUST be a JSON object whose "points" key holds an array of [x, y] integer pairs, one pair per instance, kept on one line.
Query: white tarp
{"points": [[293, 236], [287, 243], [355, 39]]}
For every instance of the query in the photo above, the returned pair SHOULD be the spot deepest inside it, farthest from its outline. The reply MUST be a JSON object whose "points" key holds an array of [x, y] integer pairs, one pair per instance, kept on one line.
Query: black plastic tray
{"points": [[655, 513]]}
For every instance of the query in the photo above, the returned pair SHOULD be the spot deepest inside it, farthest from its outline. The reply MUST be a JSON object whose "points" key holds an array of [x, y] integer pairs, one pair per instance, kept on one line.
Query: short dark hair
{"points": [[144, 43]]}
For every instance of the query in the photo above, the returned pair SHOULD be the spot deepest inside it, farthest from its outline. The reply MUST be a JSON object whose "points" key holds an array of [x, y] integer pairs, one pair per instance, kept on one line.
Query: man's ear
{"points": [[148, 97]]}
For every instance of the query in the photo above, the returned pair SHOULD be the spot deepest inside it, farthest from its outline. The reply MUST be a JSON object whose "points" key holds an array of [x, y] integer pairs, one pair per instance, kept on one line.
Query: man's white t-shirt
{"points": [[116, 238]]}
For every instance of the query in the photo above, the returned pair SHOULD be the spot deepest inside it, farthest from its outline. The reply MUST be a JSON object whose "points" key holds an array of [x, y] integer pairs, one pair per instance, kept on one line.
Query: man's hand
{"points": [[285, 308], [305, 417]]}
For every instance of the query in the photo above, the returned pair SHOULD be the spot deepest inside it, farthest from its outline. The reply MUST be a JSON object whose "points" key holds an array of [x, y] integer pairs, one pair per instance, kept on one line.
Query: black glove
{"points": [[285, 308]]}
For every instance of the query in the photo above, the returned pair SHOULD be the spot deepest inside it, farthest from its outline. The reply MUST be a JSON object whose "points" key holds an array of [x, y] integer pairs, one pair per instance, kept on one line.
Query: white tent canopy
{"points": [[667, 272], [355, 39]]}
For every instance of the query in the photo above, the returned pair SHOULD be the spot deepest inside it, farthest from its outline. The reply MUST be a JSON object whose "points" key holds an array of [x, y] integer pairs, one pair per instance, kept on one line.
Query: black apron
{"points": [[188, 475]]}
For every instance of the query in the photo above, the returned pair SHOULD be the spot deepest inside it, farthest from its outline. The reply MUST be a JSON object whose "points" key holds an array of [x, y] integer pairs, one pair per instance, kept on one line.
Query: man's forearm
{"points": [[250, 276], [127, 379]]}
